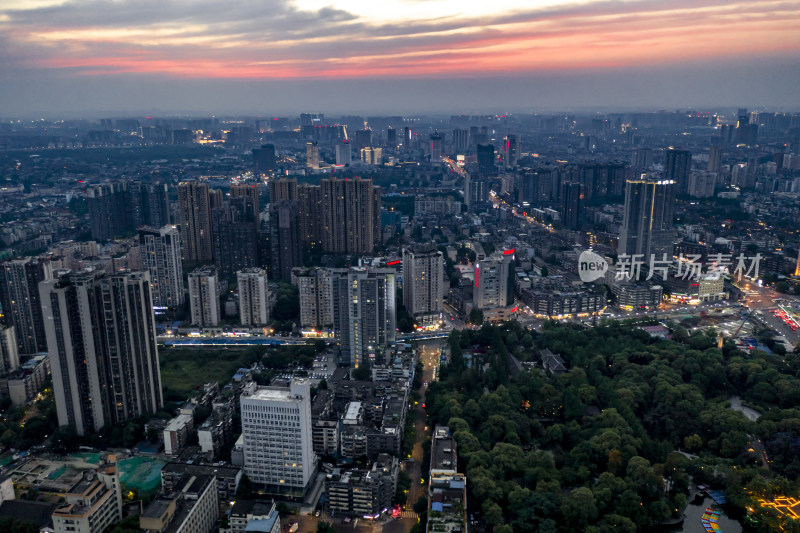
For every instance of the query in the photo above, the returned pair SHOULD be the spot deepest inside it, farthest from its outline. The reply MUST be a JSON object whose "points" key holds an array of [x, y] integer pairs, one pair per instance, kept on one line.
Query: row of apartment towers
{"points": [[336, 216]]}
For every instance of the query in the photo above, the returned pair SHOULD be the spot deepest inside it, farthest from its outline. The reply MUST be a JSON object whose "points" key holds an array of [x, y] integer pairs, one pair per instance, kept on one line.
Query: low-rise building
{"points": [[177, 433], [227, 477], [254, 516], [92, 504], [361, 492], [191, 506]]}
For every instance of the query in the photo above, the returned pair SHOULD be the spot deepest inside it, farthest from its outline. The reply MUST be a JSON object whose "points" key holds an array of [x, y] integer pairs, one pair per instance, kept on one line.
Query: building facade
{"points": [[253, 297], [204, 297], [102, 347], [160, 252], [276, 430], [423, 283]]}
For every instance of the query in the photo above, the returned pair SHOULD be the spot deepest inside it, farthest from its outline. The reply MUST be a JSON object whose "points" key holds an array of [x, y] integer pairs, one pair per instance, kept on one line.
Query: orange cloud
{"points": [[569, 38]]}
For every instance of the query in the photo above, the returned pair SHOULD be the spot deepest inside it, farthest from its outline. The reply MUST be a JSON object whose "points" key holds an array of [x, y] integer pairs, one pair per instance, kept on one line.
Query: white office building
{"points": [[277, 440]]}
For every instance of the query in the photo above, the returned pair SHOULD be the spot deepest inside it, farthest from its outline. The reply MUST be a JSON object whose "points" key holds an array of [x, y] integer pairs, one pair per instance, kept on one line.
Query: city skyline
{"points": [[73, 58]]}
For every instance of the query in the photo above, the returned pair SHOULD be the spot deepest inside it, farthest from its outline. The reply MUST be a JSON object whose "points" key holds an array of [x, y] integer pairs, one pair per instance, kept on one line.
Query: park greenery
{"points": [[613, 443]]}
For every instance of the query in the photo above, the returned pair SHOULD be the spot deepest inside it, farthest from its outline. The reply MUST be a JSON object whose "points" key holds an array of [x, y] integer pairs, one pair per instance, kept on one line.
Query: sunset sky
{"points": [[76, 56]]}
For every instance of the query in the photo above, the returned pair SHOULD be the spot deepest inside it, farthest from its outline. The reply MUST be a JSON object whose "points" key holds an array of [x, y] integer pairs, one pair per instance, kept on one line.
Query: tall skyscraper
{"points": [[19, 296], [310, 198], [423, 283], [642, 158], [235, 231], [282, 190], [194, 219], [316, 299], [109, 212], [9, 351], [351, 212], [119, 207], [647, 226], [407, 138], [253, 297], [676, 168], [204, 297], [149, 204], [437, 147], [486, 159], [714, 159], [276, 434], [363, 139], [312, 155], [160, 250], [510, 151], [364, 317], [103, 353], [264, 159], [344, 153], [286, 239], [391, 138], [460, 140], [249, 192], [572, 205], [476, 191]]}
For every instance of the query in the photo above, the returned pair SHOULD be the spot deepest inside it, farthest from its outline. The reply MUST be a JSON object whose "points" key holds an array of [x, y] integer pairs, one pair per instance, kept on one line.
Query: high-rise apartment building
{"points": [[572, 205], [460, 140], [235, 235], [264, 160], [119, 207], [642, 158], [437, 147], [253, 297], [195, 202], [364, 317], [510, 151], [316, 299], [647, 226], [282, 190], [9, 351], [204, 297], [494, 282], [101, 337], [160, 254], [276, 434], [312, 155], [310, 198], [423, 283], [677, 164], [363, 139], [344, 153], [250, 198], [109, 212], [19, 296], [149, 204], [351, 214], [714, 159], [486, 159], [286, 240]]}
